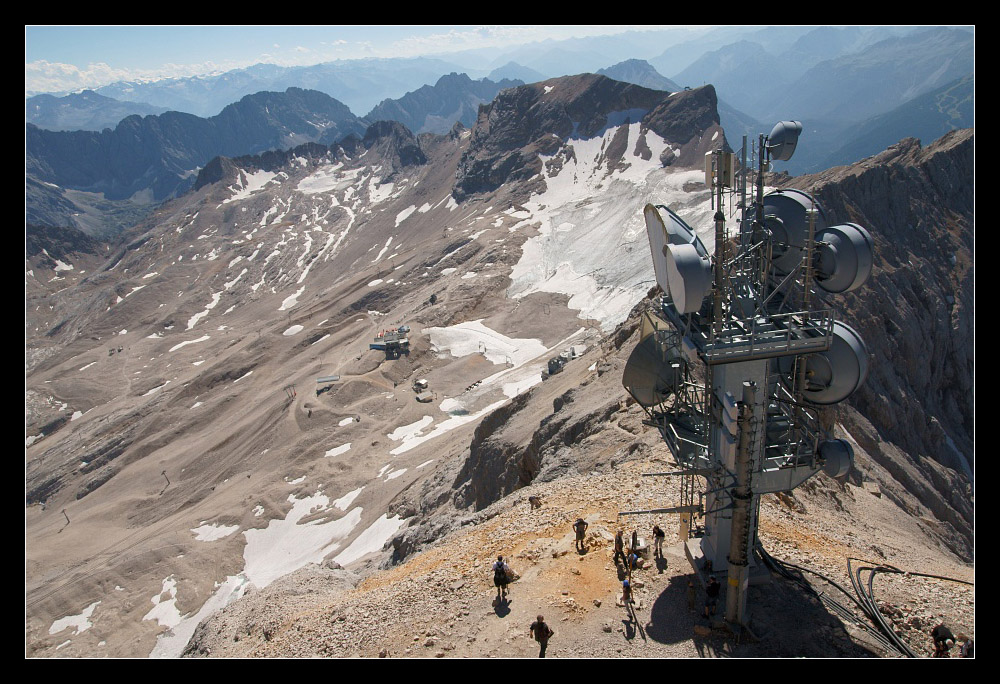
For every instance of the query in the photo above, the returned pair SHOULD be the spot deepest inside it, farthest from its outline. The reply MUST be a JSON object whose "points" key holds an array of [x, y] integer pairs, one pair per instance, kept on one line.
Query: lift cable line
{"points": [[751, 317]]}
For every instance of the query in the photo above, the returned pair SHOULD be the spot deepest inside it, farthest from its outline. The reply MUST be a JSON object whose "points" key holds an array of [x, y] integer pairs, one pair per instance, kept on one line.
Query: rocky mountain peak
{"points": [[540, 118], [395, 143]]}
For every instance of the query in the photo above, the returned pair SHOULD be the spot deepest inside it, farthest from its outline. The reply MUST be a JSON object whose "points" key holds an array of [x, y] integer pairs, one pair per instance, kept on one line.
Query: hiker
{"points": [[500, 578], [943, 641], [633, 560], [626, 592], [692, 595], [968, 649], [658, 536], [580, 527], [542, 633], [711, 595], [635, 539], [619, 548]]}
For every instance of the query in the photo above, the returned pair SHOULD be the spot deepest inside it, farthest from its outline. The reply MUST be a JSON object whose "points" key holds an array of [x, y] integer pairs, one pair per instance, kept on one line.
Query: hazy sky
{"points": [[70, 57]]}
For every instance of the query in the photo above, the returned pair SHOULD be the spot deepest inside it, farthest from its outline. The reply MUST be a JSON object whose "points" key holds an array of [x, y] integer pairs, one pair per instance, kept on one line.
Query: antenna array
{"points": [[753, 318]]}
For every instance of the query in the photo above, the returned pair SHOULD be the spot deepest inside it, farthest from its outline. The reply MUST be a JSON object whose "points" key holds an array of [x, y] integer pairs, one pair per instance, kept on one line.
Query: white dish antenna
{"points": [[648, 376], [844, 257], [785, 215], [838, 456], [681, 262], [835, 374]]}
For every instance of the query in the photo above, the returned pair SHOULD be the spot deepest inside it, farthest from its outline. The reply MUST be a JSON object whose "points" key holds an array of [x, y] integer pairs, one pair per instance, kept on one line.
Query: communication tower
{"points": [[739, 357]]}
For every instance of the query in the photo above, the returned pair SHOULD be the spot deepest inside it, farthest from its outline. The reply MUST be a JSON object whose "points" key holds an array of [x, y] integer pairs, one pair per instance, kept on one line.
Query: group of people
{"points": [[632, 561], [943, 637], [538, 630]]}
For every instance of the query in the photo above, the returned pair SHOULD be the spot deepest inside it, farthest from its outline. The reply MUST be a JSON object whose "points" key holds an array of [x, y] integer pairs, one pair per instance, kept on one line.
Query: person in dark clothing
{"points": [[542, 633], [943, 641], [619, 548], [711, 595], [500, 579], [658, 537], [580, 527]]}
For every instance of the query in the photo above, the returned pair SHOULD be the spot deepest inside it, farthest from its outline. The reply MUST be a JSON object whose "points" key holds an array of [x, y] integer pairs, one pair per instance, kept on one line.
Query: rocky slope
{"points": [[917, 316], [180, 452], [437, 603]]}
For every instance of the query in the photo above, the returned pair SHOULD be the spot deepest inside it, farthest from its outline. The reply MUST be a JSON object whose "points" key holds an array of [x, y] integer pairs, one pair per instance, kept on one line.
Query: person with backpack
{"points": [[500, 578], [580, 527], [542, 633]]}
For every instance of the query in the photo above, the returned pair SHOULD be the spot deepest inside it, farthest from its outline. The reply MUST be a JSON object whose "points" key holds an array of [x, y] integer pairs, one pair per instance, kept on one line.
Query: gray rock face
{"points": [[523, 122], [916, 314]]}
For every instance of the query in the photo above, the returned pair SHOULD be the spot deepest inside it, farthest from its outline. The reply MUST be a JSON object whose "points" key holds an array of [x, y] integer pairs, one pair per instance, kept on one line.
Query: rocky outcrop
{"points": [[395, 144], [540, 119]]}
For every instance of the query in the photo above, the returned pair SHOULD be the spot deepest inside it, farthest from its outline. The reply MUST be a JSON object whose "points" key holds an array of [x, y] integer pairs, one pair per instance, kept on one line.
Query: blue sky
{"points": [[72, 57]]}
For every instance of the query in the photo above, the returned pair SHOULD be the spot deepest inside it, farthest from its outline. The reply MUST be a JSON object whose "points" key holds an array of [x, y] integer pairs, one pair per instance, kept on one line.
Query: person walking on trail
{"points": [[711, 595], [542, 633], [658, 536], [500, 578], [692, 595], [580, 527], [620, 549], [943, 641]]}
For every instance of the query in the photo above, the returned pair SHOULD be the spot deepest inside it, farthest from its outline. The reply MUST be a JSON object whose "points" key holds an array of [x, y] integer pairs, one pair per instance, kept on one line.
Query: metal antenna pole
{"points": [[739, 541], [720, 248]]}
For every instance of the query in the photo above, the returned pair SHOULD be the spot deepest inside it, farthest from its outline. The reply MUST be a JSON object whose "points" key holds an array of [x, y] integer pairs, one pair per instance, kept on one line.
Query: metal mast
{"points": [[770, 357]]}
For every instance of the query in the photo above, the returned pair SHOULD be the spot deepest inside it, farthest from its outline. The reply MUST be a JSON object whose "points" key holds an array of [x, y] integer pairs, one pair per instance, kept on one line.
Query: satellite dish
{"points": [[783, 139], [785, 216], [650, 377], [844, 257], [835, 374], [838, 456], [656, 232], [682, 265], [689, 275]]}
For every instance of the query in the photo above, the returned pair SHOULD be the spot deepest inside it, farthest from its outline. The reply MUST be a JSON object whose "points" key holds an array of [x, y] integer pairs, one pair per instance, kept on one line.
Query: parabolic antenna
{"points": [[682, 265], [656, 232], [844, 257], [835, 374], [648, 376], [838, 455], [689, 275], [783, 139], [785, 216]]}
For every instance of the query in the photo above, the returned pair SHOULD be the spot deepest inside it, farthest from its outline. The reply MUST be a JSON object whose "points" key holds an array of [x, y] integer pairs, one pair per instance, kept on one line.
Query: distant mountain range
{"points": [[926, 117], [360, 84], [148, 159], [436, 108], [86, 111]]}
